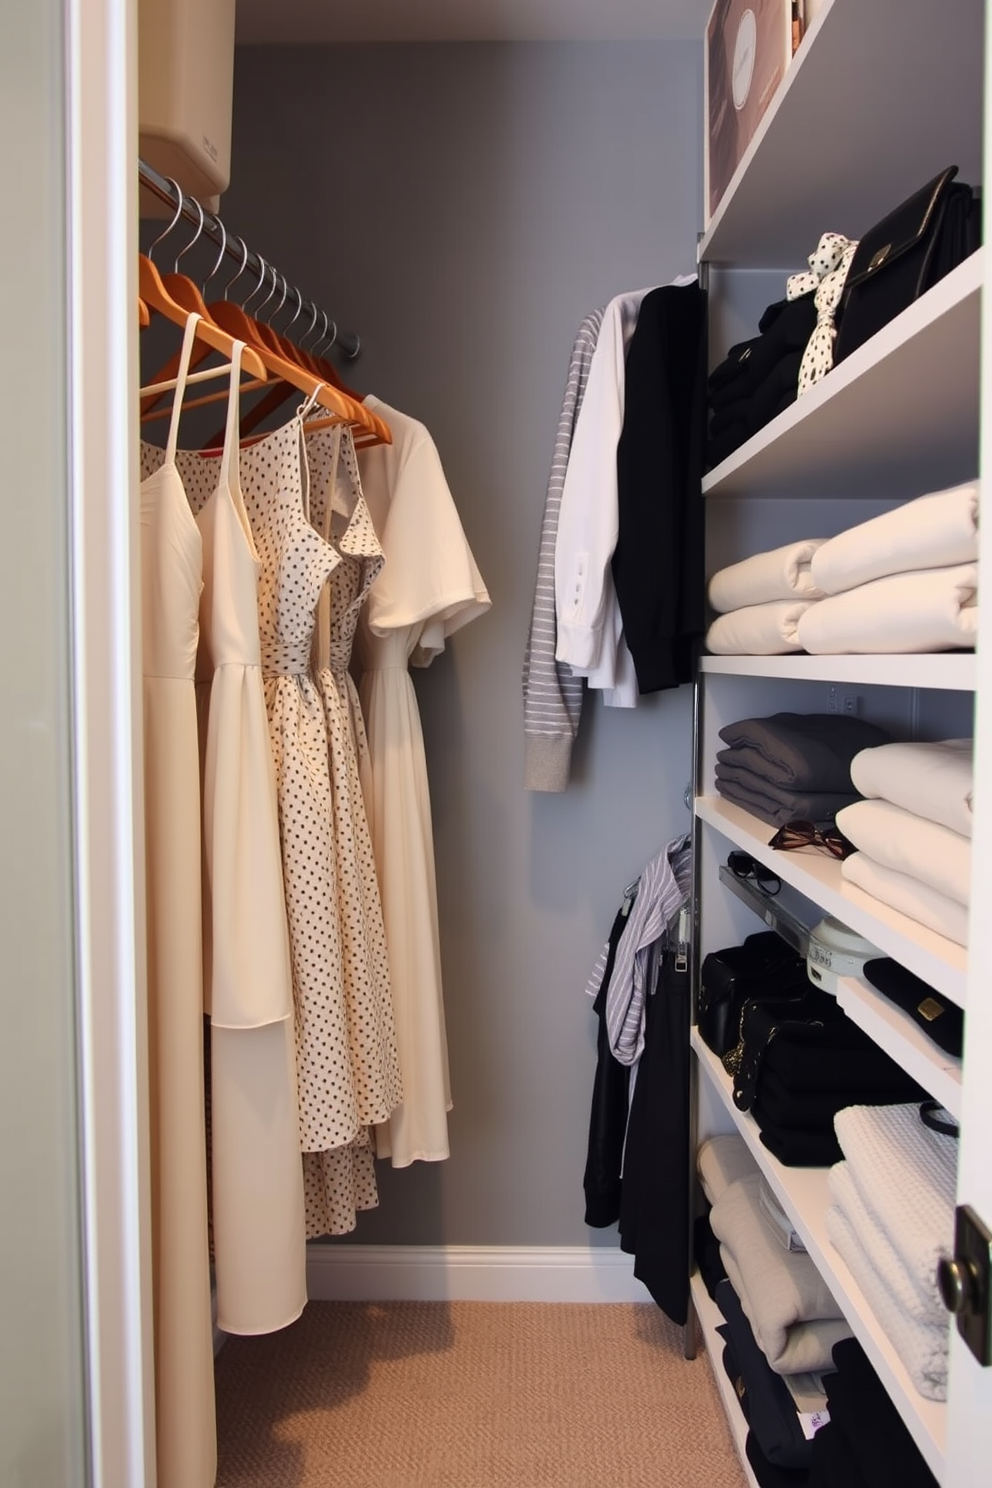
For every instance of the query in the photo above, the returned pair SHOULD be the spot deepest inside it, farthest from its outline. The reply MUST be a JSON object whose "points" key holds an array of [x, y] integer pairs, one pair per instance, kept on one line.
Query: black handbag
{"points": [[904, 255], [764, 966]]}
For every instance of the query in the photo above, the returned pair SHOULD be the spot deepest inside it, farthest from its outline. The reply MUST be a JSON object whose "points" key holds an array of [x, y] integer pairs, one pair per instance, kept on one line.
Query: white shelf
{"points": [[898, 417], [904, 1040], [950, 671], [710, 1318], [893, 93], [804, 1195], [816, 875]]}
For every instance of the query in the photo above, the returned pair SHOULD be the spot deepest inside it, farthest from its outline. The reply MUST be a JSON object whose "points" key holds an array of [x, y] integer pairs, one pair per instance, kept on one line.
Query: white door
{"points": [[74, 1334]]}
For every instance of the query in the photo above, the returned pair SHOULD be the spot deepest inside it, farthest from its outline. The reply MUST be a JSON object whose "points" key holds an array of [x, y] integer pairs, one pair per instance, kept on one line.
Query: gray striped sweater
{"points": [[552, 696]]}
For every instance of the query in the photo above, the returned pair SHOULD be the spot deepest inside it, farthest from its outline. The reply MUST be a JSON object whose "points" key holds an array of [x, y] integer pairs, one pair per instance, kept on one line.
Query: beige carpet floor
{"points": [[471, 1395]]}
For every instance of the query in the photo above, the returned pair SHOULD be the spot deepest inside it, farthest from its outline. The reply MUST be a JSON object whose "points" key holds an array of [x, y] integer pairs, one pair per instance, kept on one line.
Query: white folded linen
{"points": [[934, 531], [911, 897], [932, 609], [795, 1319], [906, 1175], [720, 1161], [758, 630], [919, 1302], [934, 780], [910, 844], [922, 1347], [782, 573]]}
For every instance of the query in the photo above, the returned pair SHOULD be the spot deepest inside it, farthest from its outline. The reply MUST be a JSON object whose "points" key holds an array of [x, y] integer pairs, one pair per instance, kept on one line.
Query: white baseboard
{"points": [[471, 1273]]}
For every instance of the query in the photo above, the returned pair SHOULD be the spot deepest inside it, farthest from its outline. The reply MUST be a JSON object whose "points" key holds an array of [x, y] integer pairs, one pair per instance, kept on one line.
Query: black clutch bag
{"points": [[764, 966], [904, 255]]}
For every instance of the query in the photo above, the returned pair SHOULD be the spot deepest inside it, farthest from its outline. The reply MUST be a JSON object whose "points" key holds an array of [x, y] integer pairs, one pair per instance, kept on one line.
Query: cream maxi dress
{"points": [[171, 579], [257, 1186], [429, 587]]}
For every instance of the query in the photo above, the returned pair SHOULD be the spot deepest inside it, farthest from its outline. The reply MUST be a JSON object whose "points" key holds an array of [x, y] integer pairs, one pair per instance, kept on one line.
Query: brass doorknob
{"points": [[956, 1279]]}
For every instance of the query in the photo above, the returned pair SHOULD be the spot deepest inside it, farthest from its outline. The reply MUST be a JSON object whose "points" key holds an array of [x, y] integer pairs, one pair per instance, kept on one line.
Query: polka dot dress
{"points": [[345, 1085], [339, 513]]}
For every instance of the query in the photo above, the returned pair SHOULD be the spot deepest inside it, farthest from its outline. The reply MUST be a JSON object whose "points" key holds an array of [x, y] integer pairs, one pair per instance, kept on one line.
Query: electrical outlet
{"points": [[839, 701]]}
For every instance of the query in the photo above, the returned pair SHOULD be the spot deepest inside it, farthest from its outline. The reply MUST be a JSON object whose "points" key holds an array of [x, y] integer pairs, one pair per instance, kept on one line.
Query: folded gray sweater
{"points": [[802, 751], [773, 803]]}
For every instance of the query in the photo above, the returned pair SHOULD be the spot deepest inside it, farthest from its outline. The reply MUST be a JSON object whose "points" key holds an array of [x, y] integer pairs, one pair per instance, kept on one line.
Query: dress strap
{"points": [[189, 336], [230, 460]]}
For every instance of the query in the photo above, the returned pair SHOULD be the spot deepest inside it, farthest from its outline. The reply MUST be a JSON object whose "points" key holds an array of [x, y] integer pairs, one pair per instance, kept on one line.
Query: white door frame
{"points": [[102, 304]]}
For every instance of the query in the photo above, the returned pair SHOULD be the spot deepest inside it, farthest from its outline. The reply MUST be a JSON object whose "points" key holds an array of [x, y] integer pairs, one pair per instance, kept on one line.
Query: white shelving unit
{"points": [[710, 1318], [880, 97]]}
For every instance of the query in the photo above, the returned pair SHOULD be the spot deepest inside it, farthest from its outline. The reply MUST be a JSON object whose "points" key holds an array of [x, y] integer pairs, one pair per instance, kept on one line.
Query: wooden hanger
{"points": [[144, 318], [156, 296]]}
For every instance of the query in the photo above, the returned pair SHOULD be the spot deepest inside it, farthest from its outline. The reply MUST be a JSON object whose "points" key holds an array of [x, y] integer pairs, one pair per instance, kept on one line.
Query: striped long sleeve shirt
{"points": [[552, 696]]}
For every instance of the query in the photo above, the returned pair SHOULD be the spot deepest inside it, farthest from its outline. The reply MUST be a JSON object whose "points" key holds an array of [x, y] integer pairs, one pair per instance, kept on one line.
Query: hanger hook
{"points": [[310, 328], [263, 274], [178, 213], [334, 335], [195, 238], [324, 333], [220, 256], [242, 267], [299, 308], [285, 291], [275, 278]]}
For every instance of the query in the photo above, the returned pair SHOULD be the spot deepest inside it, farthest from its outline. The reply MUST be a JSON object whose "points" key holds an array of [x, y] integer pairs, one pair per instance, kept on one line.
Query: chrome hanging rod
{"points": [[210, 226]]}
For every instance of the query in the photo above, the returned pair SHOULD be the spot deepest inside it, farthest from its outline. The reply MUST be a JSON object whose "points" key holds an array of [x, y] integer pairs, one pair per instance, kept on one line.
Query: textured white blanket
{"points": [[911, 897], [919, 1302], [758, 630], [922, 1347], [934, 609], [906, 1176], [934, 780], [934, 531], [795, 1319], [910, 844], [783, 573]]}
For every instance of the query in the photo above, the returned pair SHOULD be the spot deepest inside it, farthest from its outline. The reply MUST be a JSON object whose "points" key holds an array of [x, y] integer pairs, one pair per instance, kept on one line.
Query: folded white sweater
{"points": [[933, 609], [759, 629], [908, 1293], [910, 844], [922, 1347], [782, 573], [906, 1175], [912, 898], [795, 1319], [934, 531], [934, 780]]}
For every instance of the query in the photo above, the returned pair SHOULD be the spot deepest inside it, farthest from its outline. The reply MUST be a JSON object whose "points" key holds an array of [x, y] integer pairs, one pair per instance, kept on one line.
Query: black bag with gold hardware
{"points": [[904, 255]]}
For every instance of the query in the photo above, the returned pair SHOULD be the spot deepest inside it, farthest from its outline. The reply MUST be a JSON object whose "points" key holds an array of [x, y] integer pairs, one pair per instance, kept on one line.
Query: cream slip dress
{"points": [[429, 587], [171, 580]]}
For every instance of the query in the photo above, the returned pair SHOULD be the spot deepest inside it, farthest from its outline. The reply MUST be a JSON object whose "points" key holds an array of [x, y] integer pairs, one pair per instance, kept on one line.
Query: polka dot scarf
{"points": [[828, 267]]}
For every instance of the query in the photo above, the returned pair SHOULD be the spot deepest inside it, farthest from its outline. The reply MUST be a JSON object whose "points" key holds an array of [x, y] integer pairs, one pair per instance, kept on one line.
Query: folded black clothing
{"points": [[725, 415], [764, 1397], [875, 1433], [940, 1019], [747, 364], [832, 1463], [706, 1250], [761, 403], [776, 804], [721, 448], [802, 751], [796, 1148], [814, 1110], [770, 1476]]}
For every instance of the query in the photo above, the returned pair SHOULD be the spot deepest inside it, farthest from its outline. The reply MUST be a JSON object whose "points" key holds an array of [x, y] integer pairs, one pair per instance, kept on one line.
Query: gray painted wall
{"points": [[463, 207]]}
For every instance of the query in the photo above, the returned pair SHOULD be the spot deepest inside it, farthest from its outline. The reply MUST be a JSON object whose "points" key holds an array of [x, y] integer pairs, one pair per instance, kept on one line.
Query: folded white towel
{"points": [[934, 780], [906, 1175], [934, 531], [919, 1302], [922, 1347], [720, 1161], [758, 630], [907, 843], [780, 574], [934, 609], [795, 1319], [917, 900]]}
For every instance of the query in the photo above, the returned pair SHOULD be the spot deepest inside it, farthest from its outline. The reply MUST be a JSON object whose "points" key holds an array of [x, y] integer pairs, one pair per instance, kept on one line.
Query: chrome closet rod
{"points": [[210, 226]]}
